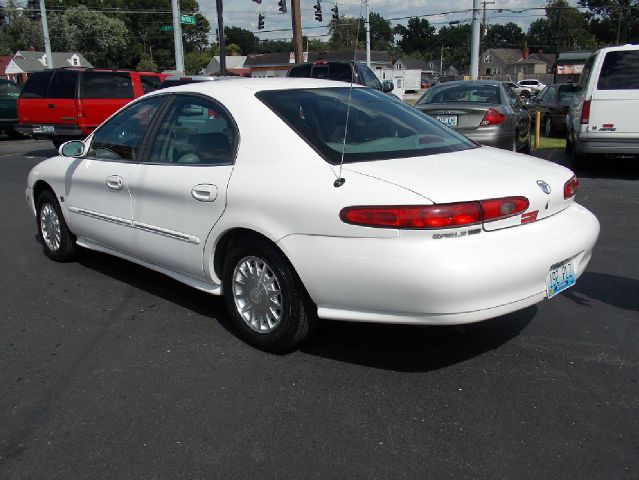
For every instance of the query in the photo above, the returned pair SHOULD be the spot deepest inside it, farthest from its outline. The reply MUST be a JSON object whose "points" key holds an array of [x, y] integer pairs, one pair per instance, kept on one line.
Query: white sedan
{"points": [[302, 199]]}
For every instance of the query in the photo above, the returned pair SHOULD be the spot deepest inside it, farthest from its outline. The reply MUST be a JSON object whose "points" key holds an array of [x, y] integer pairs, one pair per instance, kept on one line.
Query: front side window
{"points": [[106, 85], [120, 138], [195, 131], [462, 93], [9, 89], [378, 126], [619, 71], [370, 80]]}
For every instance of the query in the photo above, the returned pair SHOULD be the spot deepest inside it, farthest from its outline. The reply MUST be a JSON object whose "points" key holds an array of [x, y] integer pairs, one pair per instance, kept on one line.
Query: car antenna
{"points": [[341, 180]]}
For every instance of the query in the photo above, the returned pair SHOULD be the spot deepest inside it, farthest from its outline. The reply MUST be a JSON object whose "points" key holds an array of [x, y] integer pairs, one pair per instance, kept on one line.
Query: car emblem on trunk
{"points": [[544, 187]]}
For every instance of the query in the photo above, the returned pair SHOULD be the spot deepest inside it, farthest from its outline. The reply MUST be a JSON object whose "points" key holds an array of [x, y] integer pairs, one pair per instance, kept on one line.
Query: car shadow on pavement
{"points": [[620, 292], [408, 348], [389, 347], [623, 168], [43, 153]]}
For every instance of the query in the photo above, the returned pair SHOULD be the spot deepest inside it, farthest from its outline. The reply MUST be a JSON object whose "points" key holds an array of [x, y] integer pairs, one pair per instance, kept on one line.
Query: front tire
{"points": [[58, 242], [268, 303]]}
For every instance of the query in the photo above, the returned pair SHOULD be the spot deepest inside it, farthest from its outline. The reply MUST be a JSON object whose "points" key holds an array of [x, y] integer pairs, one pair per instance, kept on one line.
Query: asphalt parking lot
{"points": [[109, 370]]}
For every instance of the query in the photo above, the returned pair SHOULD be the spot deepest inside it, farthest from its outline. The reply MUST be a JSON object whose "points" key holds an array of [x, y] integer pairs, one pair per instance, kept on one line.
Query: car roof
{"points": [[257, 85], [473, 83]]}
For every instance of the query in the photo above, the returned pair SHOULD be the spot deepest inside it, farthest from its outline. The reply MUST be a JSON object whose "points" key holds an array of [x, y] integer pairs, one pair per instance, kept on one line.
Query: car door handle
{"points": [[51, 105], [204, 192], [114, 182]]}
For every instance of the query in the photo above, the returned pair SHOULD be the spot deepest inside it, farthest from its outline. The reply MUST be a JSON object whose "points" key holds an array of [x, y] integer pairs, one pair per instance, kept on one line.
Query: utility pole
{"points": [[296, 20], [45, 32], [220, 29], [474, 46], [484, 27], [177, 38], [368, 36]]}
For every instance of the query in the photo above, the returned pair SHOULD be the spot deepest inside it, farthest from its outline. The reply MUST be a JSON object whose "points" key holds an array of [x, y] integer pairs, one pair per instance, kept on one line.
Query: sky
{"points": [[244, 13]]}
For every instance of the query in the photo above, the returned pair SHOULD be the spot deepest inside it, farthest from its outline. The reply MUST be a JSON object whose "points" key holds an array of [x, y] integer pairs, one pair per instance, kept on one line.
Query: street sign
{"points": [[187, 19], [166, 28]]}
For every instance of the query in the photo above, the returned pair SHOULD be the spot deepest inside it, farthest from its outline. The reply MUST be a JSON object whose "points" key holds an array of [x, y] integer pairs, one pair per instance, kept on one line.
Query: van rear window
{"points": [[619, 71], [107, 85], [37, 85]]}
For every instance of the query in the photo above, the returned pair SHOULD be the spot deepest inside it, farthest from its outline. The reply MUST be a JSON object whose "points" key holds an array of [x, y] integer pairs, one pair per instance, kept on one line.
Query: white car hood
{"points": [[476, 174]]}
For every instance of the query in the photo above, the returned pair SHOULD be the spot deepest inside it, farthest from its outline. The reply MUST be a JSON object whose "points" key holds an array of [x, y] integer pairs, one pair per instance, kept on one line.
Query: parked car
{"points": [[416, 223], [69, 103], [177, 80], [341, 71], [9, 93], [553, 103], [484, 111], [535, 85], [603, 116], [523, 92]]}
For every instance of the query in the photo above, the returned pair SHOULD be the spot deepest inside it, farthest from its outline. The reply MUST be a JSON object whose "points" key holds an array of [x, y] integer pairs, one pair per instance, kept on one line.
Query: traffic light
{"points": [[335, 11], [318, 11], [282, 4], [260, 21]]}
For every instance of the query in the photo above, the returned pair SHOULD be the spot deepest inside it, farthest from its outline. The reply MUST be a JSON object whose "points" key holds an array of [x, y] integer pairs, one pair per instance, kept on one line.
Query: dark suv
{"points": [[341, 71], [68, 103]]}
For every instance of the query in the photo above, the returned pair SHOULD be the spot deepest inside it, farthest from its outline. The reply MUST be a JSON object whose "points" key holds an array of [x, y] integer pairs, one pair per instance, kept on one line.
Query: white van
{"points": [[604, 117]]}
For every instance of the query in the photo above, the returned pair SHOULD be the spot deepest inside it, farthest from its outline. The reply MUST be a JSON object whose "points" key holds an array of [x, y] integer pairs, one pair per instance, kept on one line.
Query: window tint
{"points": [[340, 72], [37, 85], [149, 83], [619, 71], [320, 71], [378, 126], [120, 137], [303, 71], [369, 78], [107, 85], [587, 70], [195, 131], [63, 84], [567, 93], [462, 93]]}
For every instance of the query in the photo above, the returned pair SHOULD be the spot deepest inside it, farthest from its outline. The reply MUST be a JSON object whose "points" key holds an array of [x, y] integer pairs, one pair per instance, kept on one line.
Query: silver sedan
{"points": [[484, 111]]}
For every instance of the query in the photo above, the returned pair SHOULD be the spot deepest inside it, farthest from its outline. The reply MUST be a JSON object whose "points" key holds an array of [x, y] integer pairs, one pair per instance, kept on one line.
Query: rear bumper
{"points": [[8, 122], [613, 146], [38, 130], [491, 137], [416, 279]]}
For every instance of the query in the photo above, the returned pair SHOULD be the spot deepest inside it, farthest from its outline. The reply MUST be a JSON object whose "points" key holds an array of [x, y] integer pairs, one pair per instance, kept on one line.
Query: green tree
{"points": [[381, 32], [509, 35], [417, 36], [613, 22], [101, 39], [18, 31], [564, 28], [146, 64], [454, 41], [244, 39], [346, 32]]}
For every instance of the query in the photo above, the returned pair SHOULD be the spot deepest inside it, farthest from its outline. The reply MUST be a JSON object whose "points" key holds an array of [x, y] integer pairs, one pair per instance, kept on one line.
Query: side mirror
{"points": [[74, 148], [387, 86]]}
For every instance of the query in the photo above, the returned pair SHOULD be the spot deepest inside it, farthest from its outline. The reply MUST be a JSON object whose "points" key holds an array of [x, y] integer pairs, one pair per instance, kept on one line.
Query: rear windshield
{"points": [[107, 85], [37, 85], [9, 89], [619, 71], [63, 84], [303, 71], [462, 93], [567, 93], [378, 126]]}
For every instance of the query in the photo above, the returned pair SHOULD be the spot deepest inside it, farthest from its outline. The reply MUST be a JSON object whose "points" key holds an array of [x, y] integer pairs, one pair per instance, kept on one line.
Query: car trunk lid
{"points": [[459, 117], [478, 174]]}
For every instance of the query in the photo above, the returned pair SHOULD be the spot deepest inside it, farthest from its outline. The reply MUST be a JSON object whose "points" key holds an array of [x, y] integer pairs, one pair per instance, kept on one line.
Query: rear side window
{"points": [[37, 85], [303, 71], [149, 83], [63, 84], [107, 85], [619, 71]]}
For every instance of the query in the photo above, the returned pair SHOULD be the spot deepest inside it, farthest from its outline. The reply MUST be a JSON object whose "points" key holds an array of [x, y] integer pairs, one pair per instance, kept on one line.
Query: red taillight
{"points": [[571, 187], [492, 117], [585, 112], [446, 215]]}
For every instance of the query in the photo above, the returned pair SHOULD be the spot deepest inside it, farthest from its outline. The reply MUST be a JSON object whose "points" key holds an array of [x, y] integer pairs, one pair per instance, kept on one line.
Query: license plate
{"points": [[48, 129], [448, 120], [560, 277]]}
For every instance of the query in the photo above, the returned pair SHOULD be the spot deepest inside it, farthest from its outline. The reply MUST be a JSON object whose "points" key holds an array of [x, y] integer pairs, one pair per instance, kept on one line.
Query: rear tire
{"points": [[266, 300], [549, 131], [14, 134], [58, 242]]}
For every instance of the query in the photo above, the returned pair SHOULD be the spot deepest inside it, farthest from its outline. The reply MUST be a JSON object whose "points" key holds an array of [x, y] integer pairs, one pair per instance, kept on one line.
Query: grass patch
{"points": [[545, 142]]}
